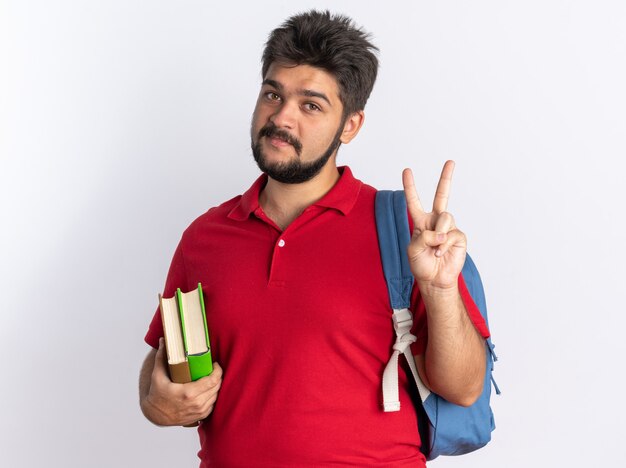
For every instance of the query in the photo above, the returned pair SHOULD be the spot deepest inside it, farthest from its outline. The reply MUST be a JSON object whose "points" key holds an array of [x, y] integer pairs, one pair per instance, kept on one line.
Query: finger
{"points": [[427, 239], [455, 238], [215, 378], [207, 412], [210, 396], [205, 408], [209, 404], [412, 199], [217, 373], [197, 398], [440, 203], [160, 359], [445, 222], [209, 384]]}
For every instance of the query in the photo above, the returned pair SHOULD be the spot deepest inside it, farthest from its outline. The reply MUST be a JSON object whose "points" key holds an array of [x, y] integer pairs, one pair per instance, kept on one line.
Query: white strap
{"points": [[402, 323]]}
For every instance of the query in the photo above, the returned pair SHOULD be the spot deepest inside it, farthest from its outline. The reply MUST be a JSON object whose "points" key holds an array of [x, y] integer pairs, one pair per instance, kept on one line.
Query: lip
{"points": [[278, 143]]}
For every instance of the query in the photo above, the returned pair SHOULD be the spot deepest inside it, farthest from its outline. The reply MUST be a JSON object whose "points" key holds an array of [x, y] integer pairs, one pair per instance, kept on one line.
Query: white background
{"points": [[121, 121]]}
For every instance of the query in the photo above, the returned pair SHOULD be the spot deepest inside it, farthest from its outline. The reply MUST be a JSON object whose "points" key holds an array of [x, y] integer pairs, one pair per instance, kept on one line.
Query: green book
{"points": [[186, 335]]}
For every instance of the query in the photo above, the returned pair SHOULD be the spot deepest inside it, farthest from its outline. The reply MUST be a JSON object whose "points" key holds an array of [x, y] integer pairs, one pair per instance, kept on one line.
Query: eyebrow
{"points": [[301, 92]]}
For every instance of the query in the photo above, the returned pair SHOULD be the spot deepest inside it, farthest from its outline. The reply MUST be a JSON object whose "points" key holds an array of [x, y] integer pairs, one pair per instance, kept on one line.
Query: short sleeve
{"points": [[176, 278]]}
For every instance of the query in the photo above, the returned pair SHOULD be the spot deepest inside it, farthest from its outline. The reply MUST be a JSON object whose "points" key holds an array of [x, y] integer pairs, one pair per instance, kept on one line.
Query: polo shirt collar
{"points": [[341, 197], [344, 194]]}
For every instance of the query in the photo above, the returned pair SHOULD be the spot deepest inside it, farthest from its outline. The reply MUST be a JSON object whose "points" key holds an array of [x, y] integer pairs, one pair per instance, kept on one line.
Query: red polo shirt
{"points": [[301, 324]]}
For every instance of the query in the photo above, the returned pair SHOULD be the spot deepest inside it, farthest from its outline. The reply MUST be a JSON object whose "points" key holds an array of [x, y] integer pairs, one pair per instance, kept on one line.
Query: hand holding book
{"points": [[174, 404]]}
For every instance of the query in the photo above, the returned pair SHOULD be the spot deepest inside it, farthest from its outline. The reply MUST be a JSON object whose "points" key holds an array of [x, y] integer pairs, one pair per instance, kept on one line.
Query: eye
{"points": [[272, 96], [312, 107]]}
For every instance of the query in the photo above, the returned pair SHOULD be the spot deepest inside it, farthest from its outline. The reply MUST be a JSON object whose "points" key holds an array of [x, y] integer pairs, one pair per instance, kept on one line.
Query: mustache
{"points": [[272, 131]]}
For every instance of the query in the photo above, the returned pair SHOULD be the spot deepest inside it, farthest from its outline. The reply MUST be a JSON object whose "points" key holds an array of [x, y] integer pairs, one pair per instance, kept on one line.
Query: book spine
{"points": [[179, 298], [206, 328], [180, 373], [200, 365]]}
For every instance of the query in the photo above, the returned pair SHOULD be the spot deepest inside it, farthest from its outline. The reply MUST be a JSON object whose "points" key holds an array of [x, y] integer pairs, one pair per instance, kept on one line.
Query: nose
{"points": [[284, 116]]}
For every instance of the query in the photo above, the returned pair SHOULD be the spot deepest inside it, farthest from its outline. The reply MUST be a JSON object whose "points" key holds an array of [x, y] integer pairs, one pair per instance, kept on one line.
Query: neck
{"points": [[283, 203]]}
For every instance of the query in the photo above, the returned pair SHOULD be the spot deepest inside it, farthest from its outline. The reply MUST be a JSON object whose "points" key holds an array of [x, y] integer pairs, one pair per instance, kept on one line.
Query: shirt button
{"points": [[281, 243]]}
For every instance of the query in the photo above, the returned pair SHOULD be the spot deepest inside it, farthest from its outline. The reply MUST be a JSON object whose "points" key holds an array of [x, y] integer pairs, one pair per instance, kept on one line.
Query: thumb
{"points": [[161, 357], [425, 241]]}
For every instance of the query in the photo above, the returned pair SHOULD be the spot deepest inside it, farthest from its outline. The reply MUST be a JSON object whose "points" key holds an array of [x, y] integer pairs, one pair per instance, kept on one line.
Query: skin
{"points": [[454, 363], [166, 403], [304, 102]]}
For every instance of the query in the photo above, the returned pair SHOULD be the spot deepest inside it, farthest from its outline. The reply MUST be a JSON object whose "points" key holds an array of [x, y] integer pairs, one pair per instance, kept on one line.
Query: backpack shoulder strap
{"points": [[393, 239]]}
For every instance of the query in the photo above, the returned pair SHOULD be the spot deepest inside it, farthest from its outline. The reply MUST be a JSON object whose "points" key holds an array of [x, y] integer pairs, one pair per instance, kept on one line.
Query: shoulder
{"points": [[352, 185], [214, 217]]}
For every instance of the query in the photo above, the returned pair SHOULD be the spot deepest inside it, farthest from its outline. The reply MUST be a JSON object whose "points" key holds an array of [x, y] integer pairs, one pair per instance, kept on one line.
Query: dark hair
{"points": [[331, 42]]}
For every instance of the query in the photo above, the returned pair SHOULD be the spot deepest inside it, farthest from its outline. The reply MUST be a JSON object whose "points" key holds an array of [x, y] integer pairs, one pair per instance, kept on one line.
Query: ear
{"points": [[352, 126]]}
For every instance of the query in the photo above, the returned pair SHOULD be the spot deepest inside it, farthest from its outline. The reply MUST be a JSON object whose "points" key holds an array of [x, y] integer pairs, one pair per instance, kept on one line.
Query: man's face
{"points": [[297, 122]]}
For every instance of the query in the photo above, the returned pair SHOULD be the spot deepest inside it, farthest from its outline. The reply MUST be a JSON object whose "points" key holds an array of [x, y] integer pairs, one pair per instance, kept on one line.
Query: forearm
{"points": [[455, 353]]}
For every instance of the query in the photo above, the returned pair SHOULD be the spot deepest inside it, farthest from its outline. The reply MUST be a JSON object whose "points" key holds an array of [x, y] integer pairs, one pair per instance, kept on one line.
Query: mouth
{"points": [[278, 142], [279, 138]]}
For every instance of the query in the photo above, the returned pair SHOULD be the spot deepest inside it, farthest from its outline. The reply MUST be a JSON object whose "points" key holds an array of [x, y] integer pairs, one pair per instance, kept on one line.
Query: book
{"points": [[186, 335]]}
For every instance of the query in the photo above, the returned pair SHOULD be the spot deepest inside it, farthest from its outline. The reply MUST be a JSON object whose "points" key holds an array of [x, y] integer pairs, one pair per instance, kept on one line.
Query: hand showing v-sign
{"points": [[437, 248], [453, 365]]}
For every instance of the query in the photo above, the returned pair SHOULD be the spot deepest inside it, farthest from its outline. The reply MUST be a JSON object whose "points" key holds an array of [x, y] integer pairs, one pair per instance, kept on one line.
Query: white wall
{"points": [[121, 121]]}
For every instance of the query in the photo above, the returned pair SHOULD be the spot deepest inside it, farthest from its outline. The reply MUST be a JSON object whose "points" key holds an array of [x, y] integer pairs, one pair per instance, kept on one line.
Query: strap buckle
{"points": [[402, 321]]}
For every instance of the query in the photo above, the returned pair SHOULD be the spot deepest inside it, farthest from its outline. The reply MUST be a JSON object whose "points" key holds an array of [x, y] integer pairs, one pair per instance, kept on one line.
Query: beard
{"points": [[295, 171]]}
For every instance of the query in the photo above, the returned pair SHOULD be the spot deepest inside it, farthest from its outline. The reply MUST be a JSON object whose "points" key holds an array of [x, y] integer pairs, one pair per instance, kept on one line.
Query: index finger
{"points": [[209, 383], [440, 203], [412, 199]]}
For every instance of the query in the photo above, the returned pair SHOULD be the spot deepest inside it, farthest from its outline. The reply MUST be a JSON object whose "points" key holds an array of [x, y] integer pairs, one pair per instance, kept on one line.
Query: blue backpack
{"points": [[450, 429]]}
